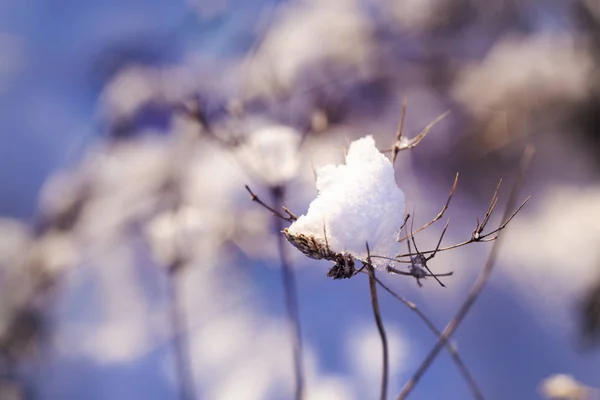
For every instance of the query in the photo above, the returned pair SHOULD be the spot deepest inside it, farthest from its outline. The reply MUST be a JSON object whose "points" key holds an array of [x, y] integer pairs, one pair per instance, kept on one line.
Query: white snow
{"points": [[563, 387], [357, 202], [271, 152]]}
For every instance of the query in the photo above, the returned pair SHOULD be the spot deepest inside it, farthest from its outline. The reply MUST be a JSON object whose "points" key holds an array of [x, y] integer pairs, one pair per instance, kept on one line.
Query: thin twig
{"points": [[477, 394], [423, 258], [475, 290], [291, 216], [185, 376], [483, 238], [417, 139], [291, 298], [396, 271], [481, 226], [399, 146], [379, 323], [438, 216], [396, 148]]}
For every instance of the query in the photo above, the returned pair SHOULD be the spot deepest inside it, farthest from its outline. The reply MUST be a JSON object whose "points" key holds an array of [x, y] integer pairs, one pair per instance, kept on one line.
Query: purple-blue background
{"points": [[68, 50]]}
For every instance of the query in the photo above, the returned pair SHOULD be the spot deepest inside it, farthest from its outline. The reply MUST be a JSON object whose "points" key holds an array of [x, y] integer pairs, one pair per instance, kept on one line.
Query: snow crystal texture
{"points": [[357, 202]]}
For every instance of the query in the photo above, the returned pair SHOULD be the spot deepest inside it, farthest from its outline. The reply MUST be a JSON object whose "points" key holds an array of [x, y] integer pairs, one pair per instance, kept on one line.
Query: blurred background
{"points": [[131, 255]]}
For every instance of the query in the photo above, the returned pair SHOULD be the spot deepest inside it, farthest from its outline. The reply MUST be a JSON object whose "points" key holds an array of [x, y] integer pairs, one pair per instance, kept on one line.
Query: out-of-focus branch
{"points": [[477, 394], [185, 376], [477, 287], [290, 291]]}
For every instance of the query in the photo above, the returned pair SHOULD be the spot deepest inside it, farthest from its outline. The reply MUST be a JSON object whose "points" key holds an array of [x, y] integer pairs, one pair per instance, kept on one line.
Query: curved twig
{"points": [[291, 298], [379, 323], [475, 290], [477, 394]]}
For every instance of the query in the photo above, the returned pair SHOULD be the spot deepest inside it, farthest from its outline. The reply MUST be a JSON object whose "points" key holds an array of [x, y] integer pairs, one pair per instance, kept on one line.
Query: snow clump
{"points": [[357, 202]]}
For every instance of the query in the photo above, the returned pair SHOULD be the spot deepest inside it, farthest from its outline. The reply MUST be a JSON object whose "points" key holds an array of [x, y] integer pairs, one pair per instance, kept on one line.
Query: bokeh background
{"points": [[127, 134]]}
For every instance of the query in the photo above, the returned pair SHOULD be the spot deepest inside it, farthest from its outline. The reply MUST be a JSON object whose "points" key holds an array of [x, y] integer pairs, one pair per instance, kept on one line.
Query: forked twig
{"points": [[477, 394], [417, 139], [399, 272], [474, 238], [475, 290], [418, 263], [401, 145], [291, 216], [438, 216], [421, 258], [481, 226], [379, 323]]}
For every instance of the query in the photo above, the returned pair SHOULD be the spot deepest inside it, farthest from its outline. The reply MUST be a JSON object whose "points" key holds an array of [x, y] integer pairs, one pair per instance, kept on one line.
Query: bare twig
{"points": [[438, 216], [488, 237], [505, 222], [475, 290], [396, 148], [418, 263], [421, 258], [291, 216], [396, 271], [185, 376], [409, 144], [291, 297], [379, 323], [417, 139], [406, 218], [451, 349], [481, 226]]}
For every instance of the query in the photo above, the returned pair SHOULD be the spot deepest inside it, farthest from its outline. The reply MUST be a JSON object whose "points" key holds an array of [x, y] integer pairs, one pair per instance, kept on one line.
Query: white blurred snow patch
{"points": [[174, 234], [271, 152], [117, 341], [53, 252], [308, 34], [127, 324], [331, 389], [28, 261], [549, 249], [61, 192], [14, 240], [565, 387], [525, 74], [357, 202], [136, 86], [364, 354], [419, 15], [128, 91], [238, 350], [125, 179]]}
